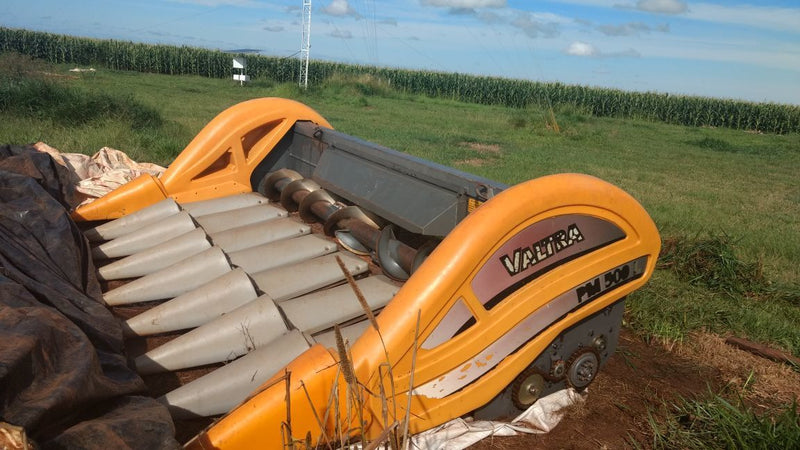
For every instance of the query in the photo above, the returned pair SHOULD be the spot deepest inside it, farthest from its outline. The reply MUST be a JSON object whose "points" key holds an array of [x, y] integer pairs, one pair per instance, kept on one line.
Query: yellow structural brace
{"points": [[218, 162], [521, 269]]}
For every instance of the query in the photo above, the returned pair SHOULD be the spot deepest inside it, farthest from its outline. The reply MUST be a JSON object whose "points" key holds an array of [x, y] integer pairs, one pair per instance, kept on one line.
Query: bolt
{"points": [[600, 343]]}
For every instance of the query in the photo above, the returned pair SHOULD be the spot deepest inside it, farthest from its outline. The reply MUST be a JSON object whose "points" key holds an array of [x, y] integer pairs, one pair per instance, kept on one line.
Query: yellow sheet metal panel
{"points": [[218, 162], [262, 422], [128, 198], [524, 249]]}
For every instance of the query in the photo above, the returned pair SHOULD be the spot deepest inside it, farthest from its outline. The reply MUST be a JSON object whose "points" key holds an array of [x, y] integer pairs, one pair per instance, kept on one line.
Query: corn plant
{"points": [[601, 102]]}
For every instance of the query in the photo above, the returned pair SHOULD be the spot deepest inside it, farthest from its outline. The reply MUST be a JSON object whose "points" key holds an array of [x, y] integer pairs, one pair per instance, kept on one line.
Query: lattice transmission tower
{"points": [[305, 45]]}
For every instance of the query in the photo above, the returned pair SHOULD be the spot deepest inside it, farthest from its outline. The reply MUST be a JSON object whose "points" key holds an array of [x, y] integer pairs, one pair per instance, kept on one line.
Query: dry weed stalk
{"points": [[389, 429], [385, 406], [383, 437], [286, 426], [371, 317], [333, 399], [354, 399], [359, 295], [407, 418], [323, 436]]}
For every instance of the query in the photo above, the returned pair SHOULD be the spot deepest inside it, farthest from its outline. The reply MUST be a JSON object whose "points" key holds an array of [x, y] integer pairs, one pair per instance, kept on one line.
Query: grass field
{"points": [[726, 202], [699, 184]]}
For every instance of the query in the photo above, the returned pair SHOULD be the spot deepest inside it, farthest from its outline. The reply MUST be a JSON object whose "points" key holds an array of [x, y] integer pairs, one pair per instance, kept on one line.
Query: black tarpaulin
{"points": [[63, 373]]}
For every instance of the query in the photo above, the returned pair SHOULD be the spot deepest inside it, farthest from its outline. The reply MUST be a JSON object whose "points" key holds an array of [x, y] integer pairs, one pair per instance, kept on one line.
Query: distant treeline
{"points": [[168, 59]]}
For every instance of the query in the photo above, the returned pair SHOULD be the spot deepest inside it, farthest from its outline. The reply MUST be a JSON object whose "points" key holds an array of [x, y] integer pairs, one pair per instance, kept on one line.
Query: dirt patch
{"points": [[482, 148], [762, 382], [473, 162], [59, 76], [485, 154], [642, 381]]}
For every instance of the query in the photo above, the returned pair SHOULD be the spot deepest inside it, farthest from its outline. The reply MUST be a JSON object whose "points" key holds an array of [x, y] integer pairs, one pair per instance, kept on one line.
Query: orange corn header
{"points": [[513, 315], [523, 295], [218, 162]]}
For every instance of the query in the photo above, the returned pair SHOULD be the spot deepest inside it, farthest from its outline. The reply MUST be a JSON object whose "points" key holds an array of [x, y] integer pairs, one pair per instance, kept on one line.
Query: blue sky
{"points": [[727, 49]]}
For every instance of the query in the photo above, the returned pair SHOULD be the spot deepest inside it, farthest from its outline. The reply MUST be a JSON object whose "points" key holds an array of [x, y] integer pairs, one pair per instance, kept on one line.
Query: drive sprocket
{"points": [[527, 388], [582, 367]]}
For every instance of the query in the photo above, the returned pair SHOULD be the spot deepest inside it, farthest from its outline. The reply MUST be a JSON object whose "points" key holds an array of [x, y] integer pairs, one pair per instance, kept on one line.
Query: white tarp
{"points": [[101, 173], [540, 418]]}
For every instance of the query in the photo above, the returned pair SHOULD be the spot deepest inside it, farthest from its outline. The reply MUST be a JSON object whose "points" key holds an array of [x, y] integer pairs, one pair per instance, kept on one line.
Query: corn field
{"points": [[182, 60]]}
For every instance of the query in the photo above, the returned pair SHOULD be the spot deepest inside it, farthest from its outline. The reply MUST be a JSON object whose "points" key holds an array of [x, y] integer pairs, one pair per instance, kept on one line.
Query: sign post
{"points": [[240, 63]]}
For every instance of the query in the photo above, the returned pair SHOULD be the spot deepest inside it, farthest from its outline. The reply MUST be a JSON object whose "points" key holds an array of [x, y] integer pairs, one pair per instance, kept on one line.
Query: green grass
{"points": [[726, 202], [183, 60], [716, 423], [670, 308], [72, 107], [693, 181]]}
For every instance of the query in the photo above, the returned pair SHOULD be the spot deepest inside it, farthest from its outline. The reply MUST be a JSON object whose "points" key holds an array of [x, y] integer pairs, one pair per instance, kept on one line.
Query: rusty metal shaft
{"points": [[353, 228]]}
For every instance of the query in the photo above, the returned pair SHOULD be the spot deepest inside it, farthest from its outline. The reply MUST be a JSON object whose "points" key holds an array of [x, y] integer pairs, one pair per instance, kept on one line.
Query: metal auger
{"points": [[353, 228]]}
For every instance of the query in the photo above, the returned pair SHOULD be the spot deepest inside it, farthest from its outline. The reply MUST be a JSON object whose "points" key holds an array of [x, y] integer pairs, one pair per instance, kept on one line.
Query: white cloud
{"points": [[579, 48], [766, 17], [780, 55], [533, 27], [465, 4], [490, 17], [657, 6], [462, 11], [218, 2], [273, 28], [629, 53], [662, 6], [340, 8], [753, 15], [342, 34], [630, 29], [551, 17]]}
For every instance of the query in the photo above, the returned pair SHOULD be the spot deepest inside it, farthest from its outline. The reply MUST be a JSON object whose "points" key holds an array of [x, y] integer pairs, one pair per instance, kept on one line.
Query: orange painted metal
{"points": [[218, 162], [523, 238], [298, 401], [128, 198], [447, 277]]}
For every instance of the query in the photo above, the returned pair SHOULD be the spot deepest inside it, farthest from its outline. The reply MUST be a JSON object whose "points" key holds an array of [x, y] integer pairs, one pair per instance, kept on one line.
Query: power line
{"points": [[435, 63], [179, 19]]}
